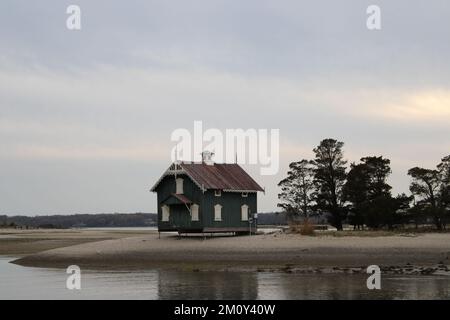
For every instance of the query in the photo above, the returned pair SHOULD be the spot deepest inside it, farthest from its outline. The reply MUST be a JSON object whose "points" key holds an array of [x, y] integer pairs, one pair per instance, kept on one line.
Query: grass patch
{"points": [[364, 233], [304, 228]]}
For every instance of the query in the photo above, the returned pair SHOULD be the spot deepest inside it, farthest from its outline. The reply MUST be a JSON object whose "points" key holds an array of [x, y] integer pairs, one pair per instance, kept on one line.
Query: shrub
{"points": [[305, 228]]}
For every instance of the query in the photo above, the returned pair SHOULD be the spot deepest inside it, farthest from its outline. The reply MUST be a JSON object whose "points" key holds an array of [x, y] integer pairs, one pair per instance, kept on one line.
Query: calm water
{"points": [[32, 283]]}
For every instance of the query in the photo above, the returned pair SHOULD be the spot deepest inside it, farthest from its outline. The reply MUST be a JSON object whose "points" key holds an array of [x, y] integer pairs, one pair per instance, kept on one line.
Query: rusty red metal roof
{"points": [[182, 198], [224, 176]]}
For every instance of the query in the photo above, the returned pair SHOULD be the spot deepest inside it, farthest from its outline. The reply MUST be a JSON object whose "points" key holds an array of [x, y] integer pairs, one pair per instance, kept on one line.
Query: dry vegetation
{"points": [[304, 228]]}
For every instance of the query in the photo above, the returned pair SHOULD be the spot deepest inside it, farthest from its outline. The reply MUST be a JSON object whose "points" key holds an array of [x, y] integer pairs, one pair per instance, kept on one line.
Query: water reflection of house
{"points": [[207, 285], [205, 197]]}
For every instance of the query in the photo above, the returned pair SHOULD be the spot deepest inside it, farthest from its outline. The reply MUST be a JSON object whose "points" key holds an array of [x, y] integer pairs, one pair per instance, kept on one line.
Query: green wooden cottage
{"points": [[206, 197]]}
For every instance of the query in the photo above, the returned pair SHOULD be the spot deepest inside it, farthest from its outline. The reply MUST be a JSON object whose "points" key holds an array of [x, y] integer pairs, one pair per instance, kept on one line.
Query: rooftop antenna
{"points": [[176, 161]]}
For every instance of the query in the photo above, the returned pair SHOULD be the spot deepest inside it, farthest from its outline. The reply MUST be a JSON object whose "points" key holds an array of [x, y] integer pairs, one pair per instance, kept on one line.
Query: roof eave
{"points": [[166, 173]]}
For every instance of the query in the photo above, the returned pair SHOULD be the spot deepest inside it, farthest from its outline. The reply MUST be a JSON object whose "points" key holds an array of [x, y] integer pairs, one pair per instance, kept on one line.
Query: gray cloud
{"points": [[86, 117]]}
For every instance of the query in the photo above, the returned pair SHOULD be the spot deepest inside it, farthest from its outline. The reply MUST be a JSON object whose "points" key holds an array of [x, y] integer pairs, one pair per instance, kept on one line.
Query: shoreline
{"points": [[419, 254]]}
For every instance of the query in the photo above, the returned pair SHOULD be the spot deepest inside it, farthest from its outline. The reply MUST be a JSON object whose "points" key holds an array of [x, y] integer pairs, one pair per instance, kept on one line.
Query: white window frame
{"points": [[218, 193], [217, 212], [194, 212], [244, 212], [165, 213], [179, 187], [244, 194]]}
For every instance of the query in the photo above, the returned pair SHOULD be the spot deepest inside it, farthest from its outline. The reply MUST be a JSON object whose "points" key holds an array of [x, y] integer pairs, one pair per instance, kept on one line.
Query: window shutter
{"points": [[179, 186], [194, 212], [244, 212], [217, 212], [165, 213]]}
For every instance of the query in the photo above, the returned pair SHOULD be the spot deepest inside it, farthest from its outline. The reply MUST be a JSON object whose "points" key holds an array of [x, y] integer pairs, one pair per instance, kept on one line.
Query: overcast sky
{"points": [[86, 116]]}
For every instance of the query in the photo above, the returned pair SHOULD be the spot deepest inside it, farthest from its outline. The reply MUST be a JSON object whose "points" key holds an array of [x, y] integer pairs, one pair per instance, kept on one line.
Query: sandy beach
{"points": [[97, 249], [18, 242]]}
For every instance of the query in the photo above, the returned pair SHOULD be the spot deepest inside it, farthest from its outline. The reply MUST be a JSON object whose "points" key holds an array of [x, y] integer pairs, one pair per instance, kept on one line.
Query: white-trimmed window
{"points": [[217, 212], [244, 194], [194, 212], [165, 213], [218, 193], [179, 186], [244, 212]]}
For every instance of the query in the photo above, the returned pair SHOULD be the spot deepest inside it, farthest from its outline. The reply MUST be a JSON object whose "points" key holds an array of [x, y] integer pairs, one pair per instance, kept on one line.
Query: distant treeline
{"points": [[272, 218], [104, 220], [100, 220]]}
